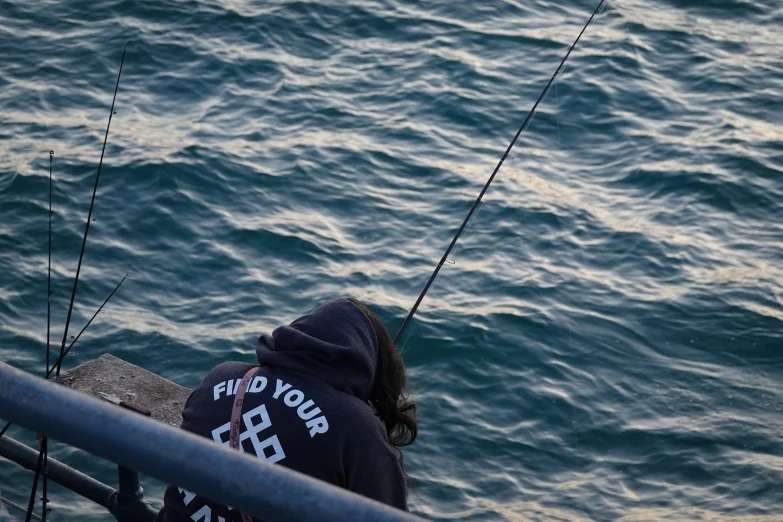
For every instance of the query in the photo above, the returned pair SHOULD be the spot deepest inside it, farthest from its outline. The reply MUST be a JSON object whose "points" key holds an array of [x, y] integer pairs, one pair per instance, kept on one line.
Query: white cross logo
{"points": [[251, 432]]}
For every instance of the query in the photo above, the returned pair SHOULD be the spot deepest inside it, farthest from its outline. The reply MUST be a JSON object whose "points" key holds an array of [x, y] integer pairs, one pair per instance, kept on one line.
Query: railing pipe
{"points": [[66, 476], [17, 507], [226, 476]]}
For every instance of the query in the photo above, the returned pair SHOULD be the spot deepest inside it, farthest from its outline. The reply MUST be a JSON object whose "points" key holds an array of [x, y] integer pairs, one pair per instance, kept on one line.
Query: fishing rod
{"points": [[43, 457], [89, 214], [35, 486], [476, 204], [45, 441], [44, 499], [49, 273]]}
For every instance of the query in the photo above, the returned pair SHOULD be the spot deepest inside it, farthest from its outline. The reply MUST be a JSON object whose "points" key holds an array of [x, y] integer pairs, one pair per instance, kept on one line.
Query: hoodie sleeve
{"points": [[382, 480]]}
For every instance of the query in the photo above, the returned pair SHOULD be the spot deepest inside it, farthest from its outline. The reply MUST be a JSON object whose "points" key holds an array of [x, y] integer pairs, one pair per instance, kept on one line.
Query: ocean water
{"points": [[606, 342]]}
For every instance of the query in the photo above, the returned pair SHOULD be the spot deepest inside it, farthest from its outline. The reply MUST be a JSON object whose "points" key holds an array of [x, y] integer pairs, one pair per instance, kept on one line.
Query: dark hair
{"points": [[390, 394]]}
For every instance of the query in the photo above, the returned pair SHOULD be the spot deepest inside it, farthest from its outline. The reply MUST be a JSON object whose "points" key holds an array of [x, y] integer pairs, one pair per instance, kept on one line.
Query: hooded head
{"points": [[335, 343]]}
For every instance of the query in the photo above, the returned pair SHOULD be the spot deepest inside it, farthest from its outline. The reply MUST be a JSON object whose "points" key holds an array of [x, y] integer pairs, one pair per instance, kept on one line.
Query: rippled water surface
{"points": [[606, 344]]}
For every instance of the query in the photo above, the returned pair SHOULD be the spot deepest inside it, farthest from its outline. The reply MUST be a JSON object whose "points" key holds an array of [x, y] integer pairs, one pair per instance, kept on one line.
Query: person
{"points": [[328, 398]]}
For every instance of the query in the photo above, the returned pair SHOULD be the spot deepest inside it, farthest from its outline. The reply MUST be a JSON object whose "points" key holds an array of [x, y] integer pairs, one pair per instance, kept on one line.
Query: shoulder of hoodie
{"points": [[226, 370], [220, 373]]}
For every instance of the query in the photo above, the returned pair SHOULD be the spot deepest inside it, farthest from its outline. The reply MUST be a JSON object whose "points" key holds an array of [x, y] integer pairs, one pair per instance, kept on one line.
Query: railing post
{"points": [[129, 482], [129, 504]]}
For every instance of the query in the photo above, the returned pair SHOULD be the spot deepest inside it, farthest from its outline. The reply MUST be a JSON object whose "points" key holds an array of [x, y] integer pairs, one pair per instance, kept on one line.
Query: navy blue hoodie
{"points": [[305, 409]]}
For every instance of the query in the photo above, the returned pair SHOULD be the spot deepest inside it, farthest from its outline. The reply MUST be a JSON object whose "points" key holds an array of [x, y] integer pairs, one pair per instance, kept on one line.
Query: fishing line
{"points": [[89, 214], [524, 125], [467, 229]]}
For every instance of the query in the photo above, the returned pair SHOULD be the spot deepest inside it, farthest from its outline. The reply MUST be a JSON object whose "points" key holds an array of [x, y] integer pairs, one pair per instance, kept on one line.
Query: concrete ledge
{"points": [[130, 383]]}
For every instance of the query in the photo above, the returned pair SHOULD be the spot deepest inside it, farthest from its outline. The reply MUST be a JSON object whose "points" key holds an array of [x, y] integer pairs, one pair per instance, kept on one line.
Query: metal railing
{"points": [[67, 477], [264, 490]]}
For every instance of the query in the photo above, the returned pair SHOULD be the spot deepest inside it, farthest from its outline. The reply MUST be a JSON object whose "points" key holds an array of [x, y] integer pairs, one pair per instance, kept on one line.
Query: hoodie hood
{"points": [[335, 343]]}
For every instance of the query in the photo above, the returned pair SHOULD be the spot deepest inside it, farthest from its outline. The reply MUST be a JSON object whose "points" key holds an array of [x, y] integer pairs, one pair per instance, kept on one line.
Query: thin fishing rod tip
{"points": [[51, 153], [466, 221], [127, 44]]}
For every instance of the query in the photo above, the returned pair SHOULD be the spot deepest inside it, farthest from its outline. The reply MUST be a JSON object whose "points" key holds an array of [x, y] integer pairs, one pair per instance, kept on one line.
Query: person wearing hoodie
{"points": [[327, 398]]}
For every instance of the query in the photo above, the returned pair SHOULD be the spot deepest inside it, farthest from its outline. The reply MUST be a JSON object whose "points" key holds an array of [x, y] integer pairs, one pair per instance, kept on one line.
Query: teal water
{"points": [[606, 345]]}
